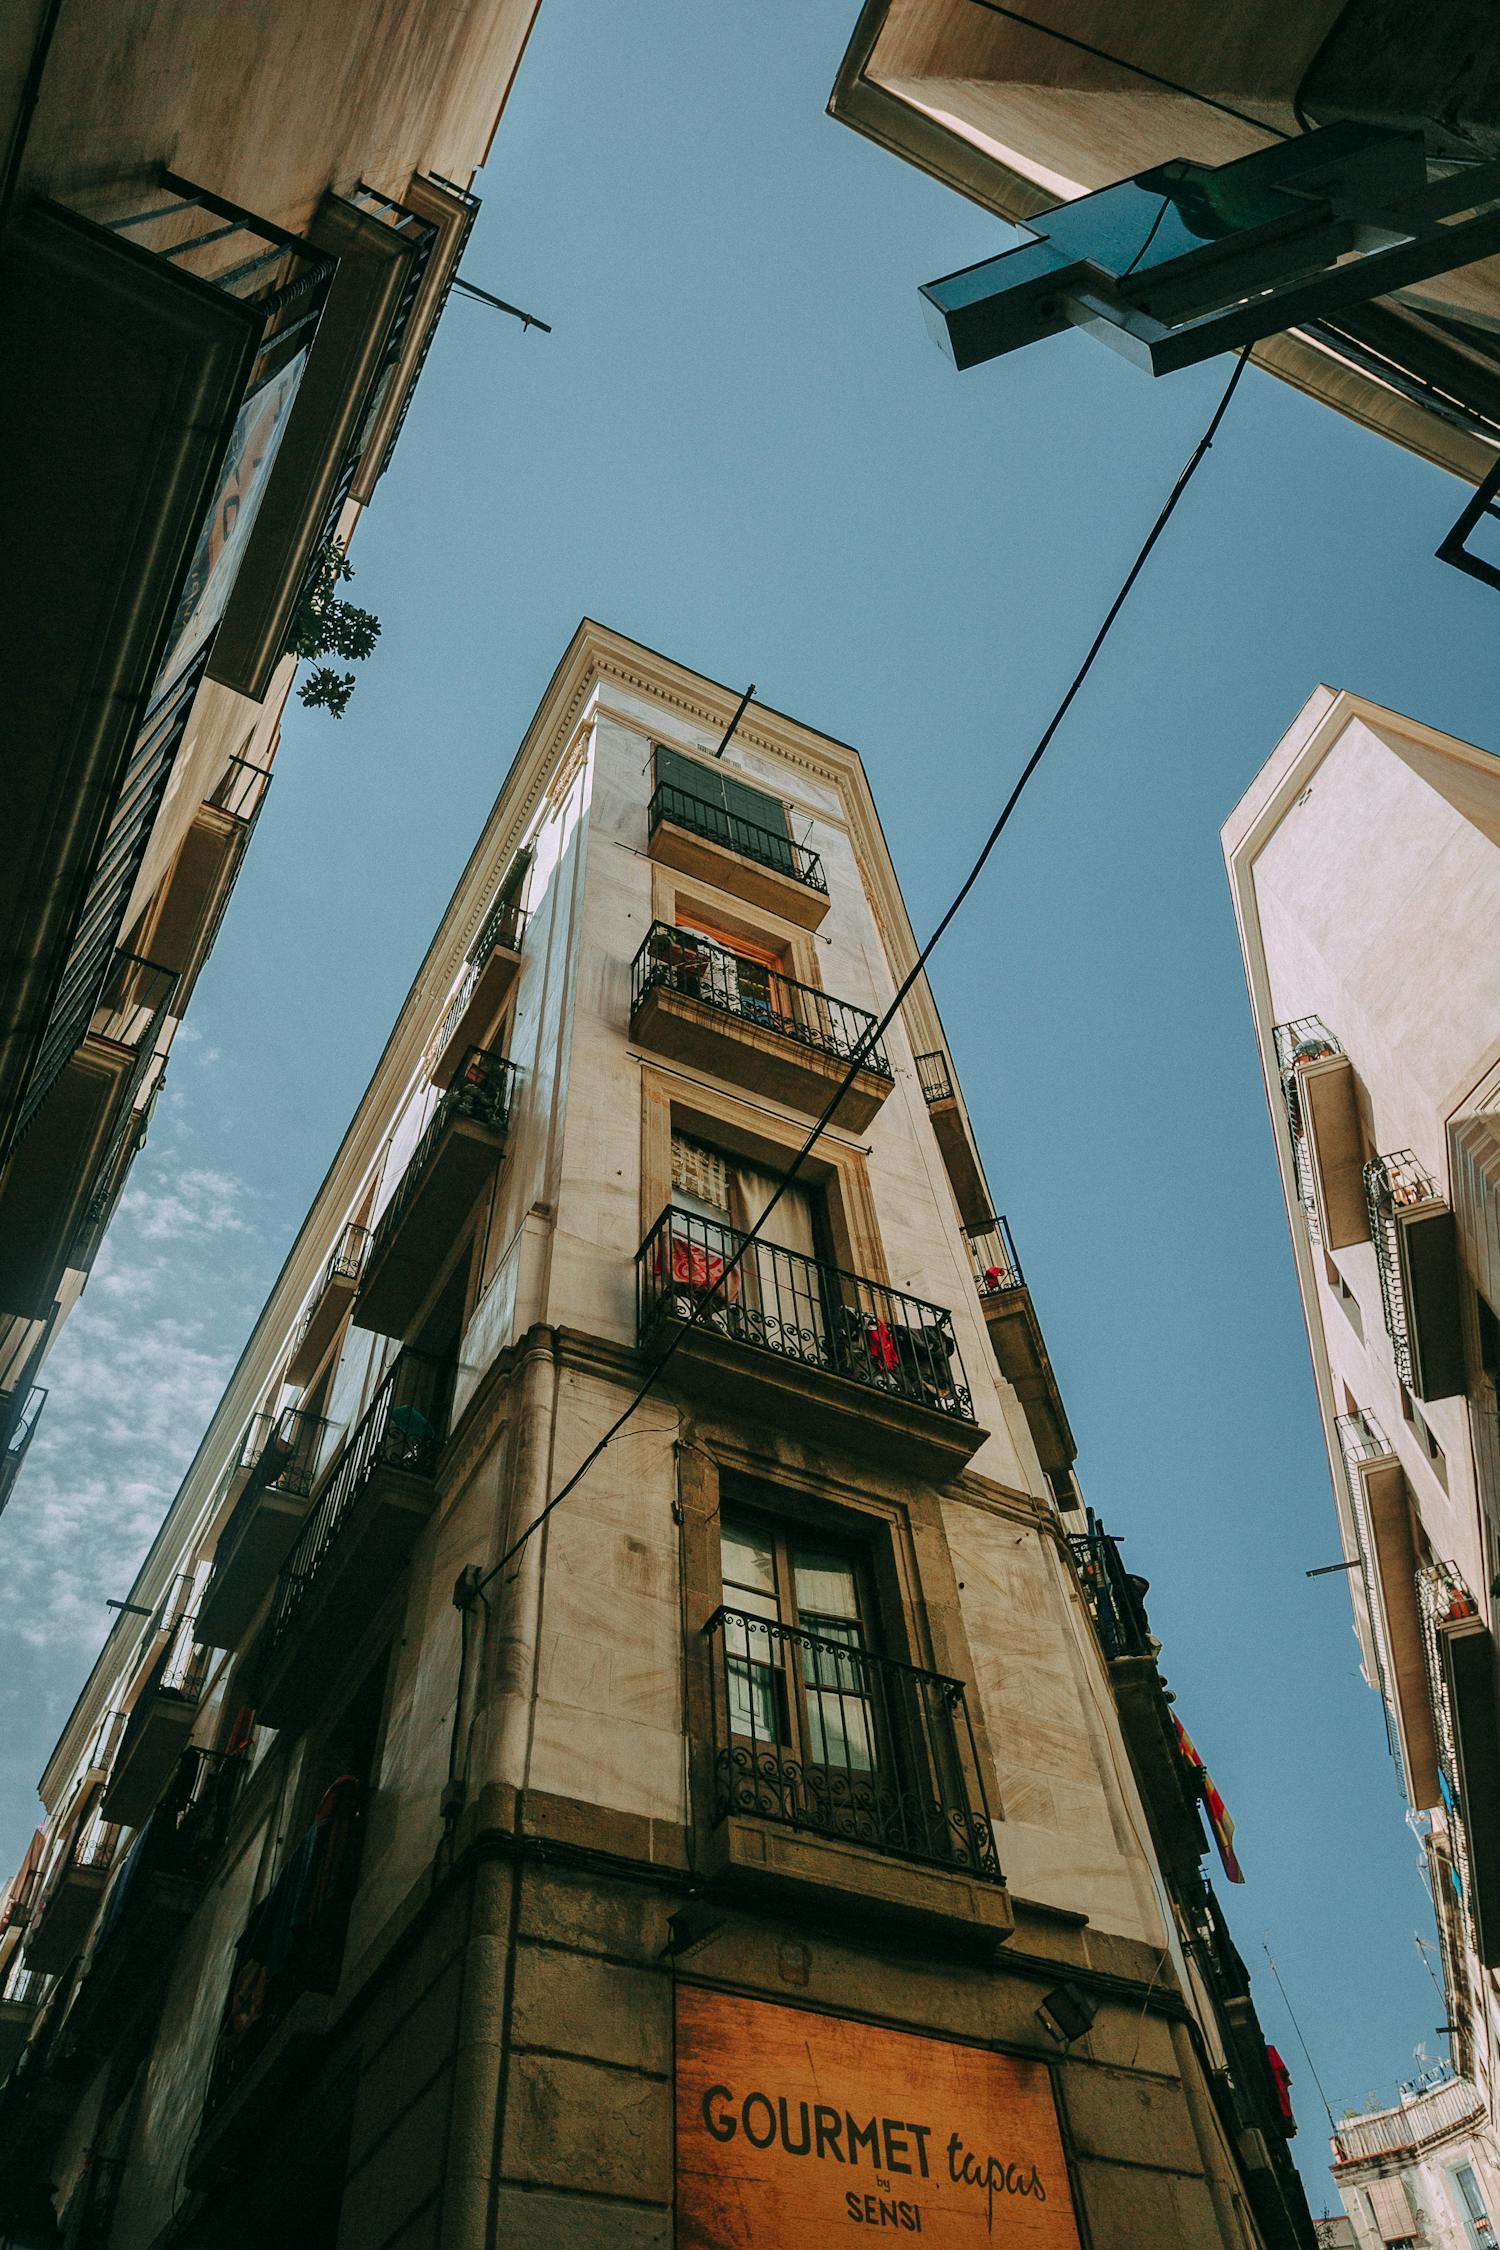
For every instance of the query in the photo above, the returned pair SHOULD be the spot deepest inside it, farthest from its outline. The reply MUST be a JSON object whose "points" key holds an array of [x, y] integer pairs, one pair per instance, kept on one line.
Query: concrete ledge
{"points": [[860, 1887]]}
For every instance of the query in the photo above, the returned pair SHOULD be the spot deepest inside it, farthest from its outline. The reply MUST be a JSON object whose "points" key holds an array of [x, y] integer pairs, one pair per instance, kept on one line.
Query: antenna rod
{"points": [[734, 722], [1325, 1570], [1302, 2043], [527, 320]]}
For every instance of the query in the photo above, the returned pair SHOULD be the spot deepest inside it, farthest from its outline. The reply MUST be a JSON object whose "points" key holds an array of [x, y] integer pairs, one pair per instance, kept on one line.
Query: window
{"points": [[1390, 2207], [1472, 2203], [719, 805], [796, 1681], [747, 978], [1429, 1444], [1345, 1295]]}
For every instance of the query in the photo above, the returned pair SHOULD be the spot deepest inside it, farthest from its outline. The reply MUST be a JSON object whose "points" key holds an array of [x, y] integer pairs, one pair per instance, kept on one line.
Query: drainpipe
{"points": [[517, 1594]]}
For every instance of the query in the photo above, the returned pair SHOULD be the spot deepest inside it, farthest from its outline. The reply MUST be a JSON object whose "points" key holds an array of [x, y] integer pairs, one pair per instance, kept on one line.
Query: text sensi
{"points": [[826, 2133]]}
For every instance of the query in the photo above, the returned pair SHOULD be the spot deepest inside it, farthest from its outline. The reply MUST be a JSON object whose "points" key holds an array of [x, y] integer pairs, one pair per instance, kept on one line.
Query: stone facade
{"points": [[496, 1806]]}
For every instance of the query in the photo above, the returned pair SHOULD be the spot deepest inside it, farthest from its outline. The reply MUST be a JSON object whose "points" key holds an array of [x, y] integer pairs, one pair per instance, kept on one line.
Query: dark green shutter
{"points": [[710, 785]]}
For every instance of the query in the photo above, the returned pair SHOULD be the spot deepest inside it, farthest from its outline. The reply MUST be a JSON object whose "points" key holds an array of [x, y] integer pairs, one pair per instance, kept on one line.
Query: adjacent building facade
{"points": [[1365, 865], [226, 236], [785, 1835], [1025, 110], [1421, 2172]]}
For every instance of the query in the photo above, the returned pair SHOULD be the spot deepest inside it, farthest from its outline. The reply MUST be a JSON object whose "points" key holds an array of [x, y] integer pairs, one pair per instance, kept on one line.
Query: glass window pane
{"points": [[749, 1558], [839, 1732], [825, 1583]]}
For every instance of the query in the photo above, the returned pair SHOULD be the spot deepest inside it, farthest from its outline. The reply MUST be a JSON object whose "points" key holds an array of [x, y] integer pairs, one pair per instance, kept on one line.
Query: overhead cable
{"points": [[877, 1030]]}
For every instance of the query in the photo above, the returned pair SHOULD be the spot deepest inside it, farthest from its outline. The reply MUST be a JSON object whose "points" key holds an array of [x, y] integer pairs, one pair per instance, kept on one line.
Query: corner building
{"points": [[786, 1843], [1365, 865]]}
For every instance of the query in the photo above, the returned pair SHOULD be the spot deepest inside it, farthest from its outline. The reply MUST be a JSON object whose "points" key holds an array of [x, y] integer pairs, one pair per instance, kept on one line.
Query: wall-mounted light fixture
{"points": [[1066, 2014]]}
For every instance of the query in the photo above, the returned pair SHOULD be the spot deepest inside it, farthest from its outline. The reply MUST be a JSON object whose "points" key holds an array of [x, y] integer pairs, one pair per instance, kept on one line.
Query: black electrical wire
{"points": [[1136, 70], [878, 1030]]}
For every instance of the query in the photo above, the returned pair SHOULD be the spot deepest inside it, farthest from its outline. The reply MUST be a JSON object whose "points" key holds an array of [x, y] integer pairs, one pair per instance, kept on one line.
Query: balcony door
{"points": [[808, 1739], [777, 1295]]}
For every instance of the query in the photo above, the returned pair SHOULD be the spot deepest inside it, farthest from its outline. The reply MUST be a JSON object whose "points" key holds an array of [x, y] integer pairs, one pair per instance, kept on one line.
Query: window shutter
{"points": [[1391, 2207], [710, 785]]}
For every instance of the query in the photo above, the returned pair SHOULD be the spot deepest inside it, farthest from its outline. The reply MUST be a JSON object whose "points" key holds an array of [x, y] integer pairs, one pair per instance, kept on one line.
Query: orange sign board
{"points": [[798, 2131]]}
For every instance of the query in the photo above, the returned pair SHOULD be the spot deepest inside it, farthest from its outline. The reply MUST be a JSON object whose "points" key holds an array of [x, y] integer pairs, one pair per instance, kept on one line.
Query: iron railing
{"points": [[992, 1253], [1303, 1039], [288, 1461], [346, 1262], [135, 1008], [504, 925], [1361, 1439], [240, 791], [184, 1833], [1444, 1599], [820, 1734], [107, 1741], [470, 202], [403, 1428], [483, 1088], [1396, 1182], [935, 1078], [678, 960], [769, 846], [1116, 1600], [294, 1940], [23, 1987], [92, 1851], [779, 1301], [22, 1431]]}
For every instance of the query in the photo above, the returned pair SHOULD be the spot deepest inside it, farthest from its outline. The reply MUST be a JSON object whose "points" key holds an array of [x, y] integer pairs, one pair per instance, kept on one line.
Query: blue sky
{"points": [[740, 446]]}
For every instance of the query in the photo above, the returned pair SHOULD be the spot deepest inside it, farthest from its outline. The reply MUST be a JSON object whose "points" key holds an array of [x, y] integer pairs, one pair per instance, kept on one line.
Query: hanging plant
{"points": [[323, 625]]}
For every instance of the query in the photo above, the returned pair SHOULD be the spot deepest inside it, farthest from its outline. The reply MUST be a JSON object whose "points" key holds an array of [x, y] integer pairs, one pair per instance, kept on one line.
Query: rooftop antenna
{"points": [[734, 722]]}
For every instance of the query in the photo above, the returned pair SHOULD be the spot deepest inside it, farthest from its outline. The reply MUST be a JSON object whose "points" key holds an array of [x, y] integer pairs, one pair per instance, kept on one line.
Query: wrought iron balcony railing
{"points": [[294, 1940], [822, 1735], [768, 846], [505, 925], [1116, 1600], [678, 960], [1393, 1183], [403, 1428], [482, 1089], [23, 1987], [1361, 1439], [992, 1254], [345, 1263], [288, 1460], [93, 1850], [935, 1078], [1443, 1599], [798, 1308], [22, 1431], [1303, 1039], [470, 202], [240, 791], [184, 1833]]}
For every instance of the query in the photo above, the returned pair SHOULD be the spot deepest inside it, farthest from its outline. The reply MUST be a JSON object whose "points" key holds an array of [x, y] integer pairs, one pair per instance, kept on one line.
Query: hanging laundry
{"points": [[1218, 1816]]}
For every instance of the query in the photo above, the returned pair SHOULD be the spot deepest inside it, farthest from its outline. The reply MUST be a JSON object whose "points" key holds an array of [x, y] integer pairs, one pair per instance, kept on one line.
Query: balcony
{"points": [[161, 1719], [830, 1763], [804, 1345], [1460, 1653], [71, 1894], [452, 1164], [286, 1968], [334, 1295], [702, 1004], [1387, 1580], [494, 964], [364, 1521], [763, 866], [1169, 1784], [960, 1158], [63, 1176], [382, 250], [22, 1992], [1018, 1344], [1416, 1249], [165, 333], [151, 1900], [183, 919], [1322, 1114], [1115, 1598], [274, 1471], [20, 1429]]}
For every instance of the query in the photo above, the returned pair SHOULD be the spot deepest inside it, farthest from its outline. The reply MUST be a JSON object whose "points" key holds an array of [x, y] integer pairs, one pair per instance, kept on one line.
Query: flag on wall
{"points": [[1218, 1814]]}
